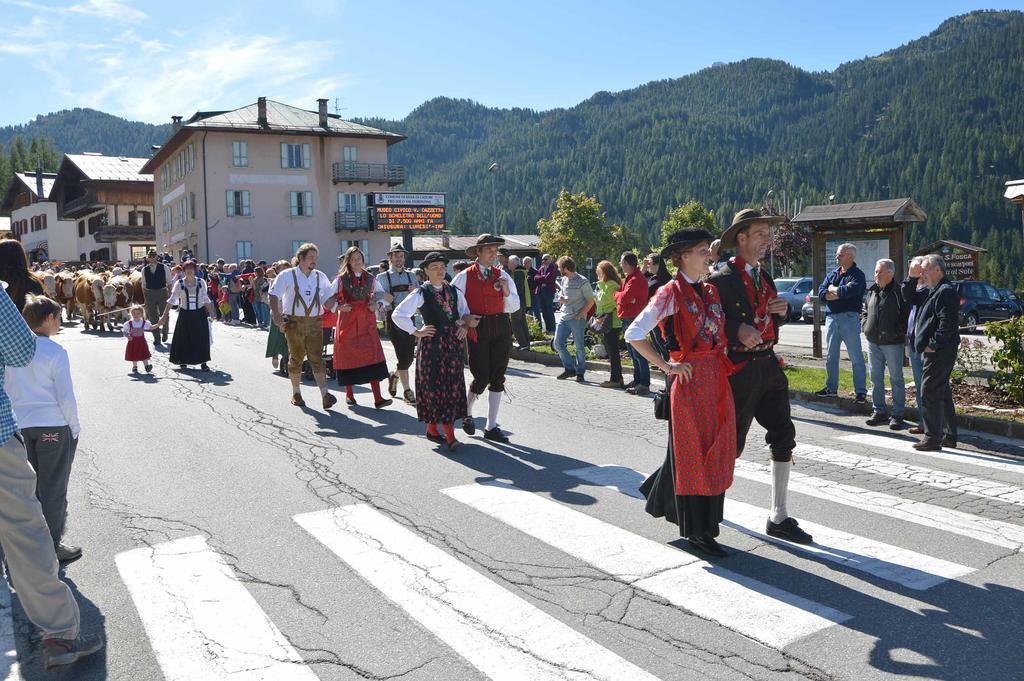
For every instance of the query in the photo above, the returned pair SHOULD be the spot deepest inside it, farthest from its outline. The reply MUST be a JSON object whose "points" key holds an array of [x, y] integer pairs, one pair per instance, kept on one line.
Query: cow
{"points": [[138, 294], [88, 290], [113, 300], [65, 292], [50, 284]]}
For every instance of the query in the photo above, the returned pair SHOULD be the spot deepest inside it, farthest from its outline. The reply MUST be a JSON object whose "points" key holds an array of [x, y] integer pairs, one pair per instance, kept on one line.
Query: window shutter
{"points": [[293, 198], [284, 154], [192, 205], [245, 203], [305, 155], [231, 203], [307, 203]]}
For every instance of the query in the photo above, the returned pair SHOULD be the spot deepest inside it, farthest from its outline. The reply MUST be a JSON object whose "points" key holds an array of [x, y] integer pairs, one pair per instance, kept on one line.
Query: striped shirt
{"points": [[17, 347]]}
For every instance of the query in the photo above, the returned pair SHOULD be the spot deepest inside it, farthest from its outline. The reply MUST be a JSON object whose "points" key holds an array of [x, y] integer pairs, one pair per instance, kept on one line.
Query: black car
{"points": [[1016, 304], [980, 302]]}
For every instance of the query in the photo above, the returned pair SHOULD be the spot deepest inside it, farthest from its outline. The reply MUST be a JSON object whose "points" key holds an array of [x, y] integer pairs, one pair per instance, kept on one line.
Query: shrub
{"points": [[1008, 358], [970, 359], [536, 333]]}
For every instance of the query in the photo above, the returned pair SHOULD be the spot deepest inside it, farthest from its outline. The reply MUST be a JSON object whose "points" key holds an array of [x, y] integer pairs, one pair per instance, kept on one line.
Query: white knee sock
{"points": [[493, 402], [470, 401], [780, 484]]}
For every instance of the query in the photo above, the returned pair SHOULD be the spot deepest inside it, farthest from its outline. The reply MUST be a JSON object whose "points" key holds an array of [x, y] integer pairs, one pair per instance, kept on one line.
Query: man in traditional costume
{"points": [[753, 313], [397, 282], [491, 295], [298, 299]]}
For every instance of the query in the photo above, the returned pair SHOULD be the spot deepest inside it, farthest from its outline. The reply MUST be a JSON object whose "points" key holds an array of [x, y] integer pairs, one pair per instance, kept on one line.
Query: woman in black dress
{"points": [[190, 343]]}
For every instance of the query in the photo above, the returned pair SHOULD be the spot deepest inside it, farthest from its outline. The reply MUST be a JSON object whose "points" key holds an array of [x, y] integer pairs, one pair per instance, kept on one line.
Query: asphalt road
{"points": [[798, 334], [230, 535]]}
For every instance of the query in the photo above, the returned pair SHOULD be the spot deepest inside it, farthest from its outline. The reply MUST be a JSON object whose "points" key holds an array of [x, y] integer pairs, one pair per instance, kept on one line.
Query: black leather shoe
{"points": [[927, 445], [439, 439], [495, 435], [949, 441], [877, 420], [468, 427], [896, 424], [565, 374], [789, 529], [861, 398], [67, 554], [706, 544]]}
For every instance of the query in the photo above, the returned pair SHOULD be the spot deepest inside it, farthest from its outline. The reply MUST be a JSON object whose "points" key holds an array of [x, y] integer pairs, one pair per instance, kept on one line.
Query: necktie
{"points": [[756, 273]]}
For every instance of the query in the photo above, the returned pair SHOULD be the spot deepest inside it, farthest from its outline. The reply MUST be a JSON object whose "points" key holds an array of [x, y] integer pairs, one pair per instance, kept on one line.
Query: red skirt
{"points": [[356, 341], [703, 427], [137, 350]]}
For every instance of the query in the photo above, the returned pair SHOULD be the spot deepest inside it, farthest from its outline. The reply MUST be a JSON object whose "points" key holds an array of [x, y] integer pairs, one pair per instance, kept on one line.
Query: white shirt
{"points": [[403, 314], [283, 289], [187, 299], [42, 393], [127, 326], [511, 300], [397, 278], [662, 305]]}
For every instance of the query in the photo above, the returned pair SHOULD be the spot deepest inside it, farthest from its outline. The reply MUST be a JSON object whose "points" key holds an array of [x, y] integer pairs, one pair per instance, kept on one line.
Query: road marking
{"points": [[201, 621], [895, 564], [757, 610], [10, 670], [987, 530], [930, 477], [499, 633], [998, 463]]}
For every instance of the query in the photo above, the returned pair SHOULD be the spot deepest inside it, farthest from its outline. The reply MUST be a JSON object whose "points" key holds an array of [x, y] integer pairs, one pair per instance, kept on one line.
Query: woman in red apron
{"points": [[358, 354], [689, 489]]}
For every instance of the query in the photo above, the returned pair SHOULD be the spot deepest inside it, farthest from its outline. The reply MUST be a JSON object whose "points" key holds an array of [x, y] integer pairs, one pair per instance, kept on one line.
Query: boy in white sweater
{"points": [[43, 400]]}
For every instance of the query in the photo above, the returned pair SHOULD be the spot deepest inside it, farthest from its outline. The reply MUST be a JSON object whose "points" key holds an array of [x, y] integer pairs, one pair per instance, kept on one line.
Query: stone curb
{"points": [[980, 424]]}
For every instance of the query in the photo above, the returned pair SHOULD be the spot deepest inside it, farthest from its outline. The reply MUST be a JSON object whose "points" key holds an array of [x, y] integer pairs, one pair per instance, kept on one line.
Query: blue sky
{"points": [[149, 60]]}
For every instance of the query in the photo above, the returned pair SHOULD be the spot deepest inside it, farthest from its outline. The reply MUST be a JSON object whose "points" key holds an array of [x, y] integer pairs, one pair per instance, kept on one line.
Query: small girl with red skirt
{"points": [[138, 347]]}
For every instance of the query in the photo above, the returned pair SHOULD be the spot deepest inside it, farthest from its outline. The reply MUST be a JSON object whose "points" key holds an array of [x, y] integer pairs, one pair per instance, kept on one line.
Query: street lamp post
{"points": [[494, 168]]}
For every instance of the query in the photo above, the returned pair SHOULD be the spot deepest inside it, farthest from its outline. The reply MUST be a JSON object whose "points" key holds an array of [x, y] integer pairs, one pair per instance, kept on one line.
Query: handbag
{"points": [[662, 403], [601, 323]]}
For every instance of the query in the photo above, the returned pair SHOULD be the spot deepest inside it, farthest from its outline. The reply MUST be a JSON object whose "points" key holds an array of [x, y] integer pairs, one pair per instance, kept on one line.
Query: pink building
{"points": [[258, 181]]}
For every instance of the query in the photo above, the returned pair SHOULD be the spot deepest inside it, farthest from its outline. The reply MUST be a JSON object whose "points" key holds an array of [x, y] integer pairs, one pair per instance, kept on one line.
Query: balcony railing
{"points": [[349, 220], [79, 206], [385, 173]]}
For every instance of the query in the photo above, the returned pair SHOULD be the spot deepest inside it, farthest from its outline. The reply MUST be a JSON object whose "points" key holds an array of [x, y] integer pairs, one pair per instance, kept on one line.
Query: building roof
{"points": [[932, 247], [281, 119], [109, 168], [29, 180], [866, 212], [1015, 191]]}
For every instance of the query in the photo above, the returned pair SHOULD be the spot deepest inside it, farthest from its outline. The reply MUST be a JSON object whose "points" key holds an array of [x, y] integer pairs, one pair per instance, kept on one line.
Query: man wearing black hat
{"points": [[753, 314], [157, 281], [397, 282], [491, 295]]}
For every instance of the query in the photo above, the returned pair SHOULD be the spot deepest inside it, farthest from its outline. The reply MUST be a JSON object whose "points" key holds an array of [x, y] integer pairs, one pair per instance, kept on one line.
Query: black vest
{"points": [[433, 314], [155, 280]]}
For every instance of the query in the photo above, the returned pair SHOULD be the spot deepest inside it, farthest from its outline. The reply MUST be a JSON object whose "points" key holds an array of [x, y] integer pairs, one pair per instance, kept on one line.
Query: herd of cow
{"points": [[102, 299]]}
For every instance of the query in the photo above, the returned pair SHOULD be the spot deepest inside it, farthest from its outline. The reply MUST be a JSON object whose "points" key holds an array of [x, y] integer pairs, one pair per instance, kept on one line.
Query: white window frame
{"points": [[350, 154], [295, 156], [240, 209], [295, 247], [347, 202], [240, 154], [364, 246], [243, 250], [300, 204]]}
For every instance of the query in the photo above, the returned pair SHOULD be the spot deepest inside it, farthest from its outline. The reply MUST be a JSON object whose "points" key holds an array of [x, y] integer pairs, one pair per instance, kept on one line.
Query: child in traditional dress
{"points": [[440, 381], [135, 331]]}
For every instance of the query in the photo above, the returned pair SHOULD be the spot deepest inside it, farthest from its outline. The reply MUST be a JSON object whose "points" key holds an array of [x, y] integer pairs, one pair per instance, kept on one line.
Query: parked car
{"points": [[1016, 304], [980, 302], [794, 290], [807, 311]]}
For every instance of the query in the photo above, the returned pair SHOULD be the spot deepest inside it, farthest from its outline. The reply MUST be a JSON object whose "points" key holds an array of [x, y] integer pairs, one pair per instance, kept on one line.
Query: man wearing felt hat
{"points": [[753, 314], [397, 282], [491, 295]]}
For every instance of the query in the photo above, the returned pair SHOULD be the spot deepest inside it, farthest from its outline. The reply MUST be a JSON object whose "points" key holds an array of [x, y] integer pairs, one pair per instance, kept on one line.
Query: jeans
{"points": [[233, 302], [547, 309], [578, 329], [891, 356], [915, 367], [844, 327], [641, 369], [262, 311]]}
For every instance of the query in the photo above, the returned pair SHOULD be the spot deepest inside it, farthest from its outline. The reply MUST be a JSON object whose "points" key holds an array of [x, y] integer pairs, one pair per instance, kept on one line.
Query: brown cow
{"points": [[112, 302], [66, 293], [138, 295], [86, 297]]}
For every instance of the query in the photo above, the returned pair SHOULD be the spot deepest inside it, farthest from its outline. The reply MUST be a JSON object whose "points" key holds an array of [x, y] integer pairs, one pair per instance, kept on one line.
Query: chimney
{"points": [[39, 184], [176, 122], [261, 108], [323, 112]]}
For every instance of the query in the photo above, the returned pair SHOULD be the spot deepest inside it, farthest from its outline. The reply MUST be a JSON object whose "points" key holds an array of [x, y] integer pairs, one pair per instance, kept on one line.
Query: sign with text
{"points": [[960, 265], [396, 212]]}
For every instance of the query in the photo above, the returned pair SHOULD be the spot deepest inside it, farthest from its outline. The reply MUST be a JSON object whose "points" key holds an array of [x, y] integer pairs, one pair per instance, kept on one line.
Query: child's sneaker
{"points": [[135, 370], [149, 368]]}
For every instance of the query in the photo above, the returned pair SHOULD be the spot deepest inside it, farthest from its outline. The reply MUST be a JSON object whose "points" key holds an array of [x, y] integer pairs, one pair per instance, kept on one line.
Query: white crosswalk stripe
{"points": [[201, 621], [930, 477], [10, 669], [902, 566], [998, 463], [757, 610], [502, 635]]}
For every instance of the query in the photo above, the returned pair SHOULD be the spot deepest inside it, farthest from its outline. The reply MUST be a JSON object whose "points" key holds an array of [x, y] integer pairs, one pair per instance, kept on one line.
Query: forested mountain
{"points": [[940, 119]]}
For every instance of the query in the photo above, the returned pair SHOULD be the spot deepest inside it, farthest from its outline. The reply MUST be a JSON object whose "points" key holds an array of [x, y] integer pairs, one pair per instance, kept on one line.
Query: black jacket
{"points": [[937, 320], [735, 303], [884, 319]]}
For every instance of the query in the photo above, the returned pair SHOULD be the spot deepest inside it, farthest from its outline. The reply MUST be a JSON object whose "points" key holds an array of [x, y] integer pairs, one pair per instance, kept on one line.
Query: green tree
{"points": [[578, 228], [461, 225], [690, 214]]}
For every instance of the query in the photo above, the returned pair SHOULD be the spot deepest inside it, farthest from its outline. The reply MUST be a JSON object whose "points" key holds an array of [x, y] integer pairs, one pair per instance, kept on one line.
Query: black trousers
{"points": [[403, 343], [610, 338], [937, 395], [488, 354], [761, 391]]}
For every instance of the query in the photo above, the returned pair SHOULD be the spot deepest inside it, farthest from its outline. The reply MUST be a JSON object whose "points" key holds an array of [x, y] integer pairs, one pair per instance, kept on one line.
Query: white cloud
{"points": [[109, 9]]}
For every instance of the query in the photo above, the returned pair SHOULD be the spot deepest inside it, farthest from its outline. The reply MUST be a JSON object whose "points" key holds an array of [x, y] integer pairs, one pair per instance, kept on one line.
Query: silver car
{"points": [[794, 290]]}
